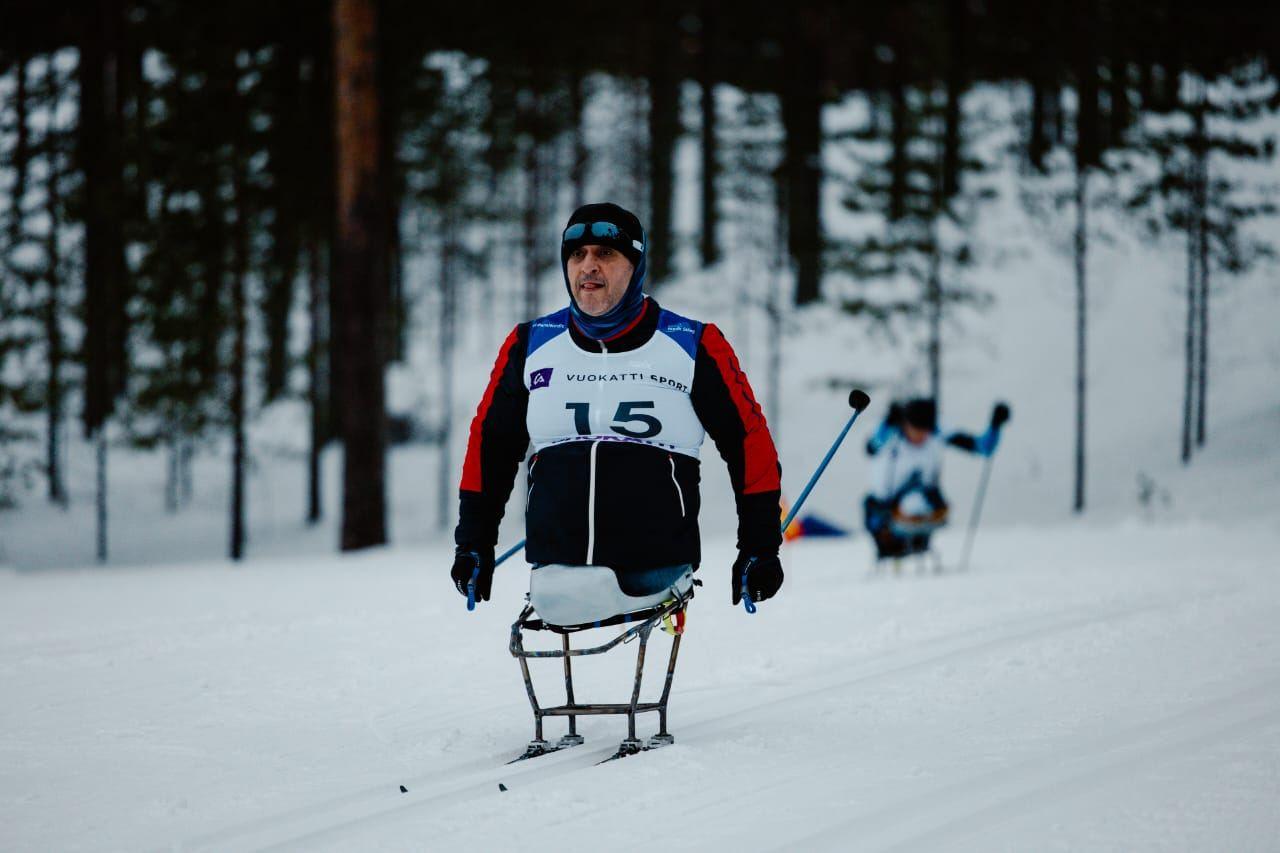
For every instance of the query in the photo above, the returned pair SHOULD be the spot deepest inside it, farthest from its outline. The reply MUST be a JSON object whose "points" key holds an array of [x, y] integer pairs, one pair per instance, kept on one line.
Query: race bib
{"points": [[640, 396]]}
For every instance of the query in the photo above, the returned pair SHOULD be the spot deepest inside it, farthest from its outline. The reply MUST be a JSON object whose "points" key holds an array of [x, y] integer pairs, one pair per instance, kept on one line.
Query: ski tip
{"points": [[502, 787], [403, 789], [859, 399]]}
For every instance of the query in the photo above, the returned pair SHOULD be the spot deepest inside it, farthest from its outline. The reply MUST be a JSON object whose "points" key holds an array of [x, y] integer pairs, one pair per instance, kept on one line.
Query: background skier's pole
{"points": [[998, 419], [858, 401]]}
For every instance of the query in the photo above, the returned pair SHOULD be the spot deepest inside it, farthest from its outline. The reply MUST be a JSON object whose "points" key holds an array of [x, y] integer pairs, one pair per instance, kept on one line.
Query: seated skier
{"points": [[615, 393], [906, 504]]}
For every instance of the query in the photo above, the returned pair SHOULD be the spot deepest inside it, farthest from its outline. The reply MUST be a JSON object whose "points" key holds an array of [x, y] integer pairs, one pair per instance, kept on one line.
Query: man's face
{"points": [[915, 434], [598, 278]]}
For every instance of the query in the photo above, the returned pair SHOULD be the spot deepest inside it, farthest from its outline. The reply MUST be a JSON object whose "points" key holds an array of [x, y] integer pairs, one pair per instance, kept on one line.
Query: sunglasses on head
{"points": [[598, 229]]}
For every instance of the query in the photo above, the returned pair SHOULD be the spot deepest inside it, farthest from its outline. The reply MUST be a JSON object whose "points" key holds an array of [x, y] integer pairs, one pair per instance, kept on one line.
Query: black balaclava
{"points": [[631, 244]]}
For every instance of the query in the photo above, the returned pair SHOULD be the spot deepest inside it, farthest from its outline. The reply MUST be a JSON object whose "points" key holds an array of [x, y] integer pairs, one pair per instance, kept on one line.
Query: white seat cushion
{"points": [[579, 595]]}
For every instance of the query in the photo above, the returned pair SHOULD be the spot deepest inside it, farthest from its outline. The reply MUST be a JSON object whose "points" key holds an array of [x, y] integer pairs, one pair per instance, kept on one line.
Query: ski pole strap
{"points": [[471, 588], [747, 602]]}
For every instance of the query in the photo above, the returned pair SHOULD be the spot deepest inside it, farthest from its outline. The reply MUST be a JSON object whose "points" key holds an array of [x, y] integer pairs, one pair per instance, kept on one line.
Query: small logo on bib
{"points": [[540, 378]]}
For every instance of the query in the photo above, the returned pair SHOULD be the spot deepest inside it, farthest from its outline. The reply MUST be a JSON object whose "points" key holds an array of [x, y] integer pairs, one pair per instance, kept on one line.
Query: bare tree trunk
{"points": [[1189, 385], [448, 314], [100, 439], [186, 485], [710, 147], [802, 123], [363, 278], [99, 154], [1081, 247], [1194, 224], [21, 149], [530, 230], [240, 331], [317, 380], [172, 473], [1202, 249], [578, 137], [935, 318], [664, 128], [53, 319], [957, 31]]}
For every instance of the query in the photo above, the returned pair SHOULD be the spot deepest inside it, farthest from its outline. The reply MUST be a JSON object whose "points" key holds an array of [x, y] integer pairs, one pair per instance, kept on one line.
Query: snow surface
{"points": [[1082, 687]]}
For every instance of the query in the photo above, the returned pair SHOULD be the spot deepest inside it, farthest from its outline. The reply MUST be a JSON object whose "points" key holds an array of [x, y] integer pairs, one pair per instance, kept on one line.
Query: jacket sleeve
{"points": [[727, 408], [497, 443], [962, 441]]}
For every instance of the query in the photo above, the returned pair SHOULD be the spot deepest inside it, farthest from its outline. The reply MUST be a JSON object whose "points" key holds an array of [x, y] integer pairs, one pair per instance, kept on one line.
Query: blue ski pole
{"points": [[475, 574], [858, 401]]}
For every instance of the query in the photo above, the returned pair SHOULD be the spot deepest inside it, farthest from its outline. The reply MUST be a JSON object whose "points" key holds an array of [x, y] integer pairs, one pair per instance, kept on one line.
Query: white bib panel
{"points": [[641, 396], [893, 466]]}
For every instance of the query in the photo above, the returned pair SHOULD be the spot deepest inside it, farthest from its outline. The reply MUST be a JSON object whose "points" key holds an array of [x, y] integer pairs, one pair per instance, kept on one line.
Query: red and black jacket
{"points": [[648, 523]]}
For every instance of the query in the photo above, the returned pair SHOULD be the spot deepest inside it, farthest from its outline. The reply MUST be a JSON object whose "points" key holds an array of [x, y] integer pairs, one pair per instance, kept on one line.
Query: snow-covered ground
{"points": [[1082, 687]]}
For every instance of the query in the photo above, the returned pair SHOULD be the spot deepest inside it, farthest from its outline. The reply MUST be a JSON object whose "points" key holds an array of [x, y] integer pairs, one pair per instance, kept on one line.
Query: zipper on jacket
{"points": [[591, 507], [679, 491]]}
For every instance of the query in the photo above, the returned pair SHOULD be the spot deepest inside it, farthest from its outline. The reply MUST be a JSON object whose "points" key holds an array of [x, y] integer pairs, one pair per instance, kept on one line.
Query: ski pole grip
{"points": [[858, 399], [747, 602], [471, 588]]}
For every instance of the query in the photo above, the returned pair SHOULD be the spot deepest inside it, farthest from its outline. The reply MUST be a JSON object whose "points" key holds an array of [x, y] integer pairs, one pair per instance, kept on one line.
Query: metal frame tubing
{"points": [[573, 709]]}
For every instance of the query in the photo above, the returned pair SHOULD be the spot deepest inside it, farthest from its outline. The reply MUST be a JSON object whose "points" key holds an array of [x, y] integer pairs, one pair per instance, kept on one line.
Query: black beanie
{"points": [[921, 412], [631, 244]]}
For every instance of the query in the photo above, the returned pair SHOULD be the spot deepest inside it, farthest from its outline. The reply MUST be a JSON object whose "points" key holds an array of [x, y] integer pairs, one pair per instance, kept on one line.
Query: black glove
{"points": [[764, 576], [465, 562], [1000, 415]]}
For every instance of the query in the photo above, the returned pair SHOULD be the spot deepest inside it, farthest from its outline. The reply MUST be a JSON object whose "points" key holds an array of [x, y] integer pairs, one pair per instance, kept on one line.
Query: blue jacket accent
{"points": [[682, 330], [545, 328]]}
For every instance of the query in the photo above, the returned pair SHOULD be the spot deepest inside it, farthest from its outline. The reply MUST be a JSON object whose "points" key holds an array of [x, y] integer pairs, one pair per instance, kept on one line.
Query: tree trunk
{"points": [[240, 353], [957, 21], [171, 476], [55, 349], [710, 162], [1081, 251], [529, 225], [317, 380], [578, 137], [1038, 134], [362, 279], [99, 437], [186, 485], [802, 123], [935, 316], [99, 153], [21, 150], [1202, 250], [664, 128], [1189, 385], [899, 129], [448, 314]]}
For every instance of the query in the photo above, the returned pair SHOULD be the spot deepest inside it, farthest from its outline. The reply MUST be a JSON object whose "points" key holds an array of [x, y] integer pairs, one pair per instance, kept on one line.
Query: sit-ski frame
{"points": [[573, 709]]}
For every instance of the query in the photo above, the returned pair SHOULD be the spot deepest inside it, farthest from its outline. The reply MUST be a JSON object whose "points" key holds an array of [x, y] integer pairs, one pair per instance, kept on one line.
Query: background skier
{"points": [[616, 393], [906, 474]]}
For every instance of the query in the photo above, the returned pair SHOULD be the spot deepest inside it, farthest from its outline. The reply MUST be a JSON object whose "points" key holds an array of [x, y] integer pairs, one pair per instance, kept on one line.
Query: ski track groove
{"points": [[287, 830], [972, 804]]}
